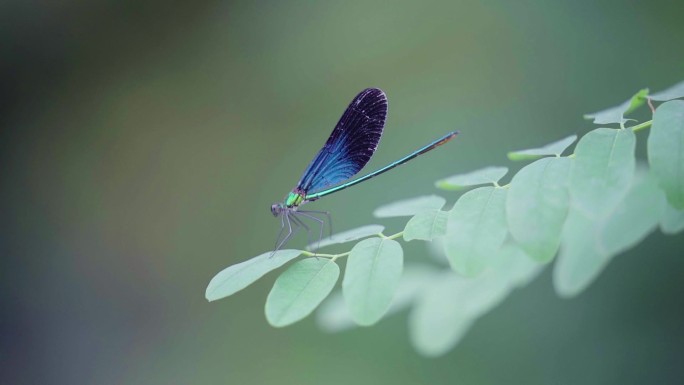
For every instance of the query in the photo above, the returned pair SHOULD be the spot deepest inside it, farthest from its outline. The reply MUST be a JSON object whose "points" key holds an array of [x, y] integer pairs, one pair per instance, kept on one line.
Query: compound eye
{"points": [[275, 209]]}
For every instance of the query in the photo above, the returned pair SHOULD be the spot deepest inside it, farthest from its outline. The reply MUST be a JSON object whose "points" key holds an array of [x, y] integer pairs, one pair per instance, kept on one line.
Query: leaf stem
{"points": [[393, 236], [641, 126]]}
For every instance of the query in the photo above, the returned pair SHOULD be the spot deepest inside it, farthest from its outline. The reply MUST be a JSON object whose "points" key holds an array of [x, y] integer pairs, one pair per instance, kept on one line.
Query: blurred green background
{"points": [[142, 143]]}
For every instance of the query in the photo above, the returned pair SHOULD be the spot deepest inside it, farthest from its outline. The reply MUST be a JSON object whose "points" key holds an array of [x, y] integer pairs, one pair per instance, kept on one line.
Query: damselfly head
{"points": [[276, 209]]}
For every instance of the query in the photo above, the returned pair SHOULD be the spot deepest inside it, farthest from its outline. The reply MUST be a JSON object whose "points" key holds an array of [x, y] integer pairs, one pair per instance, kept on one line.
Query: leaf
{"points": [[476, 228], [589, 243], [299, 290], [437, 322], [603, 170], [371, 277], [348, 236], [426, 225], [637, 215], [671, 220], [579, 261], [537, 205], [485, 175], [333, 315], [449, 305], [674, 92], [515, 267], [409, 207], [666, 150], [616, 114], [236, 277], [555, 148]]}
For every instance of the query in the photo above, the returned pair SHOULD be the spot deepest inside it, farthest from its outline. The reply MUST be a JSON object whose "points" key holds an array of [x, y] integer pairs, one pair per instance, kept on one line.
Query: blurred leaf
{"points": [[555, 148], [537, 205], [299, 290], [633, 219], [616, 114], [603, 169], [450, 304], [672, 220], [437, 321], [409, 207], [235, 278], [589, 243], [371, 277], [579, 261], [333, 315], [514, 266], [674, 92], [426, 225], [485, 175], [666, 150], [348, 236], [476, 228]]}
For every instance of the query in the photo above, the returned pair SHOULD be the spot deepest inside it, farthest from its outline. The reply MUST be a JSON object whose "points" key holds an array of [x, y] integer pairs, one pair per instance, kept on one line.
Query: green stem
{"points": [[641, 126], [393, 236], [335, 256]]}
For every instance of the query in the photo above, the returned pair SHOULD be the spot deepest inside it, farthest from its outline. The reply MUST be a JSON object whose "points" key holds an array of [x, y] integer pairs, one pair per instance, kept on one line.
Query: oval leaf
{"points": [[536, 206], [333, 315], [348, 236], [237, 277], [602, 171], [449, 305], [579, 261], [672, 220], [485, 175], [666, 150], [633, 219], [589, 243], [514, 266], [300, 289], [476, 228], [426, 225], [371, 277], [555, 148], [437, 322], [409, 207], [616, 114], [674, 92]]}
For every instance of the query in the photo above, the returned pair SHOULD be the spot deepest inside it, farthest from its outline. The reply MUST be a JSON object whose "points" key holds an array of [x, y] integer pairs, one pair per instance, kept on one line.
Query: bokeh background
{"points": [[142, 143]]}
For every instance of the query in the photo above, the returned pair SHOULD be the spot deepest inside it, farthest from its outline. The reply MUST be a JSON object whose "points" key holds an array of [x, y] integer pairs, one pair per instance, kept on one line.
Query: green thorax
{"points": [[294, 199]]}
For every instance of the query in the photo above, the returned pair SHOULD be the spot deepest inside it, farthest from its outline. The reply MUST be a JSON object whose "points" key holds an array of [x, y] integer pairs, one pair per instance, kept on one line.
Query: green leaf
{"points": [[672, 220], [348, 236], [579, 261], [476, 228], [235, 278], [637, 215], [485, 175], [674, 92], [514, 266], [590, 242], [371, 277], [426, 225], [616, 114], [555, 148], [333, 315], [537, 205], [449, 304], [666, 150], [299, 290], [409, 207], [437, 322], [603, 170]]}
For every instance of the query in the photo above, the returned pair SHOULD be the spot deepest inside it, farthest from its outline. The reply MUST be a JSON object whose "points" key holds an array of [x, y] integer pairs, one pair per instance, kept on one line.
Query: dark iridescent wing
{"points": [[350, 145]]}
